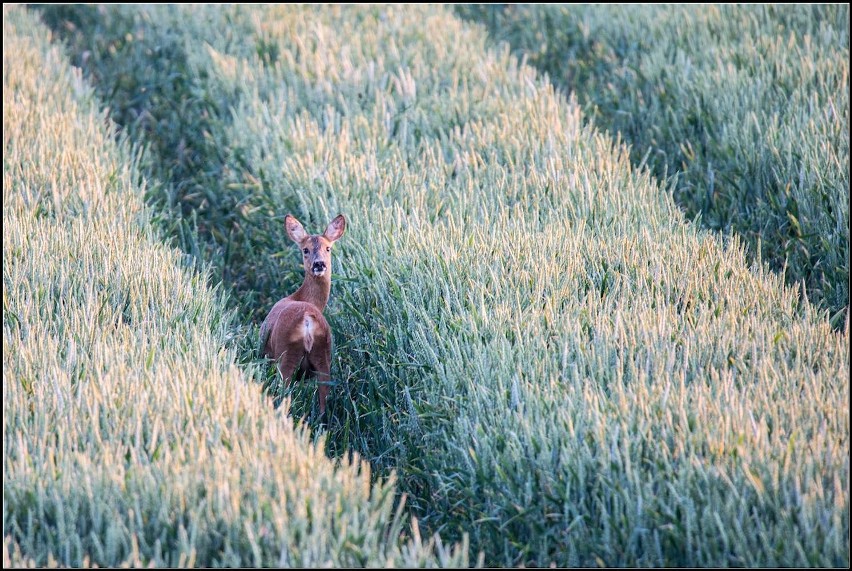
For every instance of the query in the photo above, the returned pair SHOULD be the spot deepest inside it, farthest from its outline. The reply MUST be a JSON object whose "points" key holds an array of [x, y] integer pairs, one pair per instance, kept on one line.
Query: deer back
{"points": [[293, 326]]}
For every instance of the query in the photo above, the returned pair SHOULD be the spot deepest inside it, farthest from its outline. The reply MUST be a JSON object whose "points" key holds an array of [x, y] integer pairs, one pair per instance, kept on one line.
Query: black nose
{"points": [[318, 266]]}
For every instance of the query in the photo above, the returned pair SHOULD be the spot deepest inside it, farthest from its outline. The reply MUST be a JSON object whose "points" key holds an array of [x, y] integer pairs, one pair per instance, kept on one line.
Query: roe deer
{"points": [[295, 333]]}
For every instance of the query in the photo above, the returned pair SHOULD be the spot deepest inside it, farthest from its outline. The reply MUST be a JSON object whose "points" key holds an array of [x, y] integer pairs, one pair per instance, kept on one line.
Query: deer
{"points": [[295, 333]]}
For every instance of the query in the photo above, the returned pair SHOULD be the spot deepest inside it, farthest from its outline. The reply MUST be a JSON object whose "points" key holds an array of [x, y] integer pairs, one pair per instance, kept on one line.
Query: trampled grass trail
{"points": [[527, 330]]}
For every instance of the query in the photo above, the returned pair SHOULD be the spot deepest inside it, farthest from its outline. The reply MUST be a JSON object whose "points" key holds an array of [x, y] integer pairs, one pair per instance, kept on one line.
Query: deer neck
{"points": [[315, 290]]}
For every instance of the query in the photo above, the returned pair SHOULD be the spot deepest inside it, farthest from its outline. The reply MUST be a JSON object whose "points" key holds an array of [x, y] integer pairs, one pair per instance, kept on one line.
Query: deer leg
{"points": [[320, 363], [287, 363]]}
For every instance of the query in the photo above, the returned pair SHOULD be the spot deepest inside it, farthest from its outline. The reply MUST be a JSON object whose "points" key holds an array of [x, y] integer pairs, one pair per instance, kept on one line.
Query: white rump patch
{"points": [[309, 333]]}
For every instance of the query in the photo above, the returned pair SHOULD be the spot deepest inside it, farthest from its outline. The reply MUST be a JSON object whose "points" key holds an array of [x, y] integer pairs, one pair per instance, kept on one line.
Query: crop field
{"points": [[130, 437], [539, 358], [747, 105]]}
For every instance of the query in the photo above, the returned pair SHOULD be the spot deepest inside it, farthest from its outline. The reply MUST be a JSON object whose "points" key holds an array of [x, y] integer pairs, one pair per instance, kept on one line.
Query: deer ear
{"points": [[294, 229], [336, 228]]}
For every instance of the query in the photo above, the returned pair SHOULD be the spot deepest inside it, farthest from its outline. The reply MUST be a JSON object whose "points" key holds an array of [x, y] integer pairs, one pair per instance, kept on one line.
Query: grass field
{"points": [[528, 333], [748, 105], [129, 435]]}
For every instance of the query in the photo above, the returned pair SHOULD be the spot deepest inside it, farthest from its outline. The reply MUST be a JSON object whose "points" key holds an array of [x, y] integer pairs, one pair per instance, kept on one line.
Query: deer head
{"points": [[316, 249]]}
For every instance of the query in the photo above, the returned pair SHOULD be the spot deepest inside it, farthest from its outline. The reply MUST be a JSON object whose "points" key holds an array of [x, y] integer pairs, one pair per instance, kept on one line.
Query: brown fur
{"points": [[295, 334]]}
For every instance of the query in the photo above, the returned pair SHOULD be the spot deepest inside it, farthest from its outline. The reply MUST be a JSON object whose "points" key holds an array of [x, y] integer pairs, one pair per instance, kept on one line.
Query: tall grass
{"points": [[129, 436], [748, 105], [526, 328]]}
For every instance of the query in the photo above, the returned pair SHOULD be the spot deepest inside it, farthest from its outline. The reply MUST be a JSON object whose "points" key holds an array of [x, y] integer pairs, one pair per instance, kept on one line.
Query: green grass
{"points": [[129, 435], [748, 105], [527, 331]]}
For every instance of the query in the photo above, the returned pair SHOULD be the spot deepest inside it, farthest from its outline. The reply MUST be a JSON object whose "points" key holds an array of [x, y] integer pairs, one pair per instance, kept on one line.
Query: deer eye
{"points": [[328, 248], [305, 251]]}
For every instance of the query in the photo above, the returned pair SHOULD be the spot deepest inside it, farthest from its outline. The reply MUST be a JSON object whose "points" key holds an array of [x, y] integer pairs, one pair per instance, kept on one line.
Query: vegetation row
{"points": [[528, 332], [129, 435], [747, 105]]}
